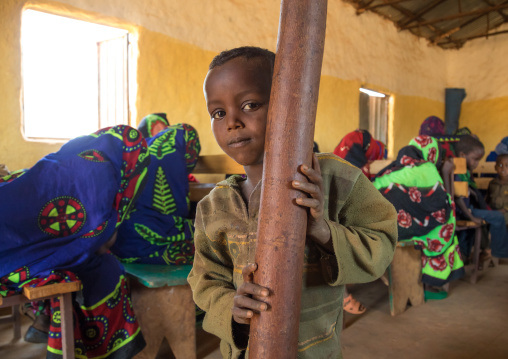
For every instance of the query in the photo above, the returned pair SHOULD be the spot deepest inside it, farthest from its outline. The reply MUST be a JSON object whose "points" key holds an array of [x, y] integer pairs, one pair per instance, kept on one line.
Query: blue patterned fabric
{"points": [[54, 219], [159, 230]]}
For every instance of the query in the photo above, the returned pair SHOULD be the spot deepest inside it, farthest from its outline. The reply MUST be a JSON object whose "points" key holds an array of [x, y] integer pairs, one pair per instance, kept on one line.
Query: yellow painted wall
{"points": [[170, 79], [175, 44], [480, 67], [488, 119]]}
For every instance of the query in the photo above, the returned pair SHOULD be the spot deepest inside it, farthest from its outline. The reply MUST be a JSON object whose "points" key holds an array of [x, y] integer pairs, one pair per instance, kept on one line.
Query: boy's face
{"points": [[237, 95], [473, 157], [502, 168]]}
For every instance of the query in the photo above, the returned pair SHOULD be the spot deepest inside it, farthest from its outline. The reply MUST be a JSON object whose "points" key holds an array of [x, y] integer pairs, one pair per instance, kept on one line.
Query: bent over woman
{"points": [[56, 220], [413, 184]]}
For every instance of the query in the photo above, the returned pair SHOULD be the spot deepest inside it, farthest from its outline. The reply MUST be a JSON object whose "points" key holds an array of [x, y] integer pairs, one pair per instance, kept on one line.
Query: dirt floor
{"points": [[471, 323]]}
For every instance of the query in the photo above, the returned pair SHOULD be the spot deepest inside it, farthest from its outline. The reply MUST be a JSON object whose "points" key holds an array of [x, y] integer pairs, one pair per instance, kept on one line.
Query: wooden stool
{"points": [[163, 304], [404, 276], [61, 290]]}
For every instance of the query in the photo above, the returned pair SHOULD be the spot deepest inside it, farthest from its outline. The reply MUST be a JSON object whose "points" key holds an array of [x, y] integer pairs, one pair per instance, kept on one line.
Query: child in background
{"points": [[474, 207], [498, 187], [351, 229]]}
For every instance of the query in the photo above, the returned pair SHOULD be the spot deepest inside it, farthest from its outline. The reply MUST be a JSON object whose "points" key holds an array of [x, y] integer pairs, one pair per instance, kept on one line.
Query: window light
{"points": [[372, 93]]}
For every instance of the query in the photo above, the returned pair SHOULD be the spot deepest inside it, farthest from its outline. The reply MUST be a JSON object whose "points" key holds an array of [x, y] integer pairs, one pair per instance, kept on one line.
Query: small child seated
{"points": [[352, 229], [474, 207], [498, 187]]}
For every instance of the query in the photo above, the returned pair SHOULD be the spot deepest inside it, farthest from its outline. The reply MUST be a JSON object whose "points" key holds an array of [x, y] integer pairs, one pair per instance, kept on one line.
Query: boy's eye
{"points": [[251, 106], [217, 115]]}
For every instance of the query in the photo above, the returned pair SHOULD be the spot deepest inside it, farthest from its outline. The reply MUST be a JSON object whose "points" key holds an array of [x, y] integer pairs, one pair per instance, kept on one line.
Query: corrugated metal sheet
{"points": [[446, 23]]}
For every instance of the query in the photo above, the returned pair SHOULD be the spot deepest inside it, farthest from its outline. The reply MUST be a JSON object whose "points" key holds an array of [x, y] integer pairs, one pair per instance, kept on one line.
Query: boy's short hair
{"points": [[468, 144], [501, 157], [247, 52]]}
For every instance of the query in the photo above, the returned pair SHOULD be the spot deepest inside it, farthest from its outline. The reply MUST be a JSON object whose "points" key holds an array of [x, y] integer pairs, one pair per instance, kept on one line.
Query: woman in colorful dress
{"points": [[57, 220], [413, 184], [359, 148], [159, 230]]}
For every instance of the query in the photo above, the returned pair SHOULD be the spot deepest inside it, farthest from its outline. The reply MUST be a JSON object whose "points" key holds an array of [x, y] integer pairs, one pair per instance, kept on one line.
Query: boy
{"points": [[351, 232], [474, 207], [498, 187]]}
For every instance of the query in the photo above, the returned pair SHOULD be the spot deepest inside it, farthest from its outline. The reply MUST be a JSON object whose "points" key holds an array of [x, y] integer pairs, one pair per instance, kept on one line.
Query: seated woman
{"points": [[58, 218], [413, 184], [159, 230], [359, 148]]}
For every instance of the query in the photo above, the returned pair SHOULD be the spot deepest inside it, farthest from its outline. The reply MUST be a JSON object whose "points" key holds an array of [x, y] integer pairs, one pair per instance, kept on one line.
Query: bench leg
{"points": [[166, 312], [67, 325], [181, 308], [16, 317], [405, 279], [476, 254]]}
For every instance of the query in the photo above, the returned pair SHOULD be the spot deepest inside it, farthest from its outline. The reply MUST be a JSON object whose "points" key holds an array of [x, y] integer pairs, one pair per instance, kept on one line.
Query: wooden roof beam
{"points": [[457, 28], [385, 3], [458, 16], [502, 14], [361, 8], [419, 13]]}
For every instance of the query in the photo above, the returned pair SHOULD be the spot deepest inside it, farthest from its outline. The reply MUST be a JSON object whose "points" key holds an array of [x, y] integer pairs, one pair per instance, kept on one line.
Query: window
{"points": [[74, 76], [374, 114]]}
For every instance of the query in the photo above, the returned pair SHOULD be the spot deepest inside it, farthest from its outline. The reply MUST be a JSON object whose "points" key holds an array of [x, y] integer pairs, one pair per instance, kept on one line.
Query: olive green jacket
{"points": [[363, 225]]}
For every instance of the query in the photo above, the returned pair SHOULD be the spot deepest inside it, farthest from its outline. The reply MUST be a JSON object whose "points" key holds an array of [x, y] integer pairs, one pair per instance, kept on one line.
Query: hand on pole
{"points": [[244, 306], [317, 229]]}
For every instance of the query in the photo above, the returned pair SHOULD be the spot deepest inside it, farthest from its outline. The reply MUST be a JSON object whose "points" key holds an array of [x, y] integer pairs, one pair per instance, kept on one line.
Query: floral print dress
{"points": [[412, 183]]}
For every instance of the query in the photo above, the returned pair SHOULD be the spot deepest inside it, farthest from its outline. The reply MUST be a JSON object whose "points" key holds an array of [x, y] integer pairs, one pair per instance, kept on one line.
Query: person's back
{"points": [[414, 185], [159, 230], [351, 231], [474, 207]]}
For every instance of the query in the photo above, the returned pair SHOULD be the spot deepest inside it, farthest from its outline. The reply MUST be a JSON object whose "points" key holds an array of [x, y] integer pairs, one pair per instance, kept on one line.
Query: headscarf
{"points": [[413, 185], [146, 124], [354, 146], [502, 147], [432, 126], [159, 230], [376, 151]]}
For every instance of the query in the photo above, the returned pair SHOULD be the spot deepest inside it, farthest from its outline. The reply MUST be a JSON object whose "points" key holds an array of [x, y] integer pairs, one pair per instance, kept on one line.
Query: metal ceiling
{"points": [[446, 23]]}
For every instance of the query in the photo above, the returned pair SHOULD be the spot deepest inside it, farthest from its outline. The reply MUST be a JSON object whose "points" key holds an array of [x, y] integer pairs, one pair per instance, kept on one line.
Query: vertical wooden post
{"points": [[289, 138]]}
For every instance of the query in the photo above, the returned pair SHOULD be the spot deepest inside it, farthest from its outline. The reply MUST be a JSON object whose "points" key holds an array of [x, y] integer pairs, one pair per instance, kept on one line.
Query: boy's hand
{"points": [[244, 306], [317, 229]]}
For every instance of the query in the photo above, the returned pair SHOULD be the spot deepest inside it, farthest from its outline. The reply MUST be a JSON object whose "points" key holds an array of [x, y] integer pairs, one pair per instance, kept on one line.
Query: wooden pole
{"points": [[289, 138]]}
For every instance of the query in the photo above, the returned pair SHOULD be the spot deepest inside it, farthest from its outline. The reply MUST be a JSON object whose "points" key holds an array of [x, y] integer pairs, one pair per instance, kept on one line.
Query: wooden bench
{"points": [[209, 170], [484, 168], [162, 301], [161, 296], [63, 291]]}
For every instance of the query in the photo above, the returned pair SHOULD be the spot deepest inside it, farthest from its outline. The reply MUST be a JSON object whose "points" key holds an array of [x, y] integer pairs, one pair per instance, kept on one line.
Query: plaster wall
{"points": [[481, 68], [175, 43]]}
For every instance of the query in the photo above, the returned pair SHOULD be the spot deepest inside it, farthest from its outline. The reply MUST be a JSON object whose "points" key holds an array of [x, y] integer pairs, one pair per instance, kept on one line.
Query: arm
{"points": [[447, 174], [364, 235], [361, 234], [460, 204]]}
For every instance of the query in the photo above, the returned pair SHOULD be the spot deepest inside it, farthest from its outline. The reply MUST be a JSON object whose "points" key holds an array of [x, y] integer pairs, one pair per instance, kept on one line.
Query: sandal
{"points": [[351, 305]]}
